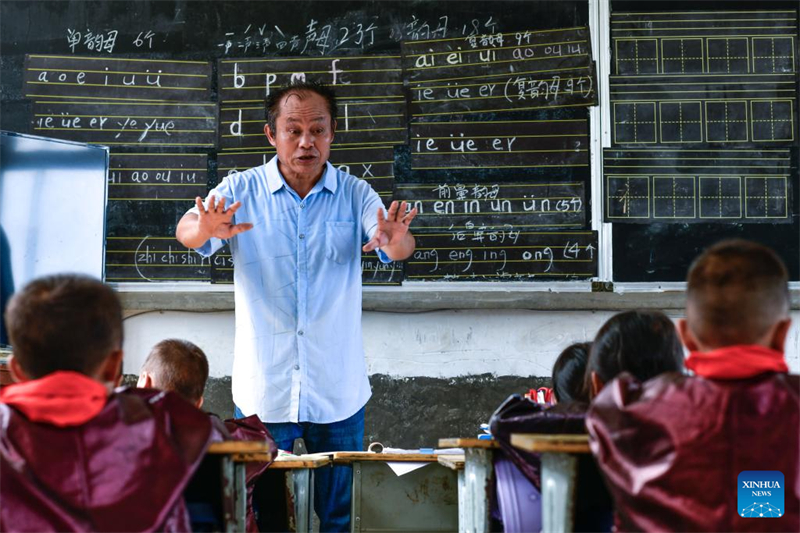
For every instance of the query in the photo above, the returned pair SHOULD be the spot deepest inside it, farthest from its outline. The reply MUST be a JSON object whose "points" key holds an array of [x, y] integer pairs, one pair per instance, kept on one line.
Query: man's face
{"points": [[303, 136]]}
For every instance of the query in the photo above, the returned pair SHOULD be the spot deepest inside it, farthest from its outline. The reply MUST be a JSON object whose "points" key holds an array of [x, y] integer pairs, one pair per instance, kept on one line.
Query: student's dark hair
{"points": [[642, 343], [301, 89], [179, 366], [736, 290], [64, 322], [568, 373]]}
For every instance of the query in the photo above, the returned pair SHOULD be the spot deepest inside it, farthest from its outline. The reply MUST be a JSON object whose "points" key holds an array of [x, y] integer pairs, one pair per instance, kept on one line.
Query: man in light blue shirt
{"points": [[295, 227]]}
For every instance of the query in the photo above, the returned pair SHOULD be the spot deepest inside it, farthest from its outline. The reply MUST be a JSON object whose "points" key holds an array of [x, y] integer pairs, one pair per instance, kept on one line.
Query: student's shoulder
{"points": [[136, 404]]}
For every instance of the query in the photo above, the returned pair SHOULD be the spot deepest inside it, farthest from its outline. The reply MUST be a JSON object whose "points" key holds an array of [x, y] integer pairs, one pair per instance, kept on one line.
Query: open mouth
{"points": [[307, 158]]}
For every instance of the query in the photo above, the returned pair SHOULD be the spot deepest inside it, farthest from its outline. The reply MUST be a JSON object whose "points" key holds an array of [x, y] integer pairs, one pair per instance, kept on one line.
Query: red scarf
{"points": [[736, 362], [62, 398]]}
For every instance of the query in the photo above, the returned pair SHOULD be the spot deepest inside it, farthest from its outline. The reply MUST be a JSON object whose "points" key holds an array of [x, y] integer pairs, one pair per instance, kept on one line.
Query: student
{"points": [[176, 365], [180, 366], [568, 373], [641, 343], [672, 449], [76, 456]]}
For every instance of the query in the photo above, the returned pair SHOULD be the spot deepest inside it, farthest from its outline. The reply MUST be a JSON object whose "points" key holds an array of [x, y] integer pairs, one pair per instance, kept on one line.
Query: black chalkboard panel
{"points": [[164, 124], [704, 124], [503, 252], [500, 72], [147, 195], [521, 205], [117, 79]]}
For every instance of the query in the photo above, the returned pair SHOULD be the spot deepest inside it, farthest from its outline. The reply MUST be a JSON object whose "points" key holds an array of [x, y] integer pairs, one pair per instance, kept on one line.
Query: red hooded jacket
{"points": [[122, 470], [672, 448]]}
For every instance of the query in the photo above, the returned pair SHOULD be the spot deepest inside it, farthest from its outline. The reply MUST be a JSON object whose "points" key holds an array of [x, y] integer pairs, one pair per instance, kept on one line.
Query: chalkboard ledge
{"points": [[431, 296]]}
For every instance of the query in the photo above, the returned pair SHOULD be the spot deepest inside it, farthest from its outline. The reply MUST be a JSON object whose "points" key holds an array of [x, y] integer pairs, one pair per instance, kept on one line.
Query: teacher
{"points": [[295, 227]]}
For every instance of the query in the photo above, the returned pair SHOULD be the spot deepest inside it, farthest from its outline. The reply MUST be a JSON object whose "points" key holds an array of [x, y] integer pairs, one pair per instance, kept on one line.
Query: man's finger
{"points": [[233, 208], [220, 205], [371, 245], [401, 211], [409, 216], [198, 202], [392, 212], [381, 217], [240, 228]]}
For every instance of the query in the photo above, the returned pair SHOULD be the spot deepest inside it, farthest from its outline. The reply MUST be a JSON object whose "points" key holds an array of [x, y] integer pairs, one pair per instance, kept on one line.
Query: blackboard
{"points": [[704, 136], [215, 61]]}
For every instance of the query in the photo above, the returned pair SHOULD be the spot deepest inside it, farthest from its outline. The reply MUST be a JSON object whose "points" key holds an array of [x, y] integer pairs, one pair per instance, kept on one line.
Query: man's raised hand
{"points": [[217, 221], [392, 230]]}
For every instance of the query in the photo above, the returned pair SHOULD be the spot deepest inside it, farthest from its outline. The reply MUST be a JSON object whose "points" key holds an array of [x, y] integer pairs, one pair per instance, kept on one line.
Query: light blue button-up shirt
{"points": [[298, 354]]}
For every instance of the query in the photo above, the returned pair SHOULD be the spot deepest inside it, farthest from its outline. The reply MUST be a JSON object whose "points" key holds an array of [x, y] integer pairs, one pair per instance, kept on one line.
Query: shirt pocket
{"points": [[340, 241]]}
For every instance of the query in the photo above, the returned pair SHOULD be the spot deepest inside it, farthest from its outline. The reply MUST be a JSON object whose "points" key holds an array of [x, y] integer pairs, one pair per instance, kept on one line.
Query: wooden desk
{"points": [[559, 472], [474, 482], [423, 500], [232, 454]]}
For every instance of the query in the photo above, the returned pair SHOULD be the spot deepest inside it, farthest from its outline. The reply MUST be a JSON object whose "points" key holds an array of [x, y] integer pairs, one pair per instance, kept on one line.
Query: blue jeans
{"points": [[332, 486]]}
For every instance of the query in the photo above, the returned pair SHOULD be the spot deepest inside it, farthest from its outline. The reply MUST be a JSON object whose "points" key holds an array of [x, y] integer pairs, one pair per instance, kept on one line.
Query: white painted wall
{"points": [[441, 344]]}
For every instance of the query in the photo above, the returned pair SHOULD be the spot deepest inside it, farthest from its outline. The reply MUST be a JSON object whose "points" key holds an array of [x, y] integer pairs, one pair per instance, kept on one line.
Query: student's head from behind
{"points": [[65, 322], [568, 373], [642, 343], [176, 365], [737, 294]]}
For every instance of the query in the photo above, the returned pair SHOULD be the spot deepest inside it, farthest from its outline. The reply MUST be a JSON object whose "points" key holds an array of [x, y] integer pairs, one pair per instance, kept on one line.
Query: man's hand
{"points": [[216, 222], [392, 235], [194, 230]]}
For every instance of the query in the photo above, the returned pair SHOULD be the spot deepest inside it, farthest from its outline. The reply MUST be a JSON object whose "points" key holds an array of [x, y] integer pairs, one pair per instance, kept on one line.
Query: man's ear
{"points": [[145, 381], [111, 369], [199, 403], [270, 134], [333, 129], [597, 384], [779, 334], [17, 374], [686, 336]]}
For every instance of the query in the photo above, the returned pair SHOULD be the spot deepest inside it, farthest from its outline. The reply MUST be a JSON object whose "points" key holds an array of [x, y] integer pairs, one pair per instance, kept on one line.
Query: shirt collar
{"points": [[275, 180]]}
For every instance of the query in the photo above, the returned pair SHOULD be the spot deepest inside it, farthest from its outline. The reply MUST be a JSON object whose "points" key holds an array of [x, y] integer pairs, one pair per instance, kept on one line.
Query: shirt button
{"points": [[302, 206], [300, 332], [297, 367], [302, 235]]}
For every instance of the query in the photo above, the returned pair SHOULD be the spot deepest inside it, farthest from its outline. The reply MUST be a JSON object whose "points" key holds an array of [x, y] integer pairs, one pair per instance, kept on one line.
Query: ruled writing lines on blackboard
{"points": [[116, 78], [503, 252], [499, 144], [100, 122], [697, 185], [449, 77], [154, 258]]}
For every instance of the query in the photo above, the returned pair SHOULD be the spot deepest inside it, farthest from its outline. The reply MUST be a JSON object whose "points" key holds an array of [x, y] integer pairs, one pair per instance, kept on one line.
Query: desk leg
{"points": [[355, 505], [303, 488], [559, 471], [473, 496], [240, 474], [229, 494]]}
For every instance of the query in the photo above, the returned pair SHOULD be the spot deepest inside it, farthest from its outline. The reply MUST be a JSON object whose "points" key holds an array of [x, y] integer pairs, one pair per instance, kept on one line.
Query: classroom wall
{"points": [[433, 374]]}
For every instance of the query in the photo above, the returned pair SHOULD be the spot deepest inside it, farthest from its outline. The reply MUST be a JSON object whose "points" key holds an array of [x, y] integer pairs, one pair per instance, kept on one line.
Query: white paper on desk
{"points": [[401, 468]]}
